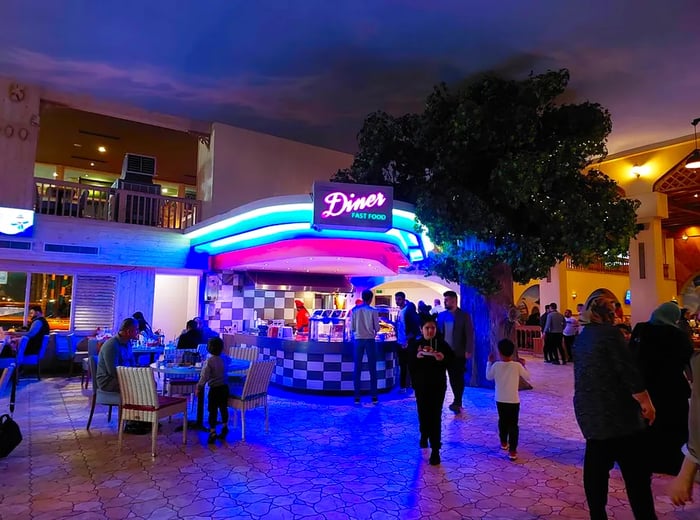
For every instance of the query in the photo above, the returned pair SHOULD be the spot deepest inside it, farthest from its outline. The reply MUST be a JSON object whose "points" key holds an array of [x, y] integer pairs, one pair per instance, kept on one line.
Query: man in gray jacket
{"points": [[364, 326], [456, 327]]}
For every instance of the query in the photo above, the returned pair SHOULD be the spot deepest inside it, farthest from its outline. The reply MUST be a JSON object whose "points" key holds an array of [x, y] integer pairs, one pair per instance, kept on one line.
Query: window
{"points": [[12, 299], [52, 292]]}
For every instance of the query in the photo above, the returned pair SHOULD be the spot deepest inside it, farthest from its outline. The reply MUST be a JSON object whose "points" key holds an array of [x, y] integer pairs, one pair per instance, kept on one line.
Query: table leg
{"points": [[199, 423]]}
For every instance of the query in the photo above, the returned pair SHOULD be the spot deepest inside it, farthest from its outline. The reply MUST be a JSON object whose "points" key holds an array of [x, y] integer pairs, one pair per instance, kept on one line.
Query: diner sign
{"points": [[16, 222], [352, 206]]}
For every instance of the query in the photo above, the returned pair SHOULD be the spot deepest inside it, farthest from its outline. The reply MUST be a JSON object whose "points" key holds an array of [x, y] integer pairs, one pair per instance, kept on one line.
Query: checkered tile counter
{"points": [[321, 366]]}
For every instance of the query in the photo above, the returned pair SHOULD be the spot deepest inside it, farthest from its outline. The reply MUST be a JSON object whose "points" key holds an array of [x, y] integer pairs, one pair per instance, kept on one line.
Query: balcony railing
{"points": [[620, 265], [69, 199]]}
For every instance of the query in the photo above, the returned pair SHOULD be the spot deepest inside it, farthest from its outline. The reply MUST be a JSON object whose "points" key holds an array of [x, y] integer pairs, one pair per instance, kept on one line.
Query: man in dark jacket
{"points": [[407, 329], [38, 328]]}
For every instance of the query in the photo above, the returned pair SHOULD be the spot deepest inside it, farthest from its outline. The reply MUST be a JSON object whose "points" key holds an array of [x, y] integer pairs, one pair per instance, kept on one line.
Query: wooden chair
{"points": [[100, 396], [141, 402], [24, 359], [253, 393]]}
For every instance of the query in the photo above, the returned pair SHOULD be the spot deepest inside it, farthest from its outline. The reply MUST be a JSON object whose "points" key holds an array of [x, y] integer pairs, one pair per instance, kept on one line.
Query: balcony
{"points": [[621, 266], [69, 199]]}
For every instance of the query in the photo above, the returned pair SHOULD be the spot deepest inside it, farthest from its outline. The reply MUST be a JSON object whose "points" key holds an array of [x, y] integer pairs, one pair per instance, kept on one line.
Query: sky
{"points": [[312, 70]]}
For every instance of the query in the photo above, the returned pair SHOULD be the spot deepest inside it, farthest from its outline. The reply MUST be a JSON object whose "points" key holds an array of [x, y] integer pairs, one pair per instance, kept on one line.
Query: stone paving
{"points": [[322, 458]]}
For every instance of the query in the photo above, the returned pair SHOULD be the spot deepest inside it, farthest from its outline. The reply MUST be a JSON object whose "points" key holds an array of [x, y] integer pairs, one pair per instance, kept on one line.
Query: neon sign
{"points": [[16, 222], [352, 206]]}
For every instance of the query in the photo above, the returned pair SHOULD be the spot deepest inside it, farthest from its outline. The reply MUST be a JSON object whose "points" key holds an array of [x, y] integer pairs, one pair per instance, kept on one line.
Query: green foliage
{"points": [[495, 170]]}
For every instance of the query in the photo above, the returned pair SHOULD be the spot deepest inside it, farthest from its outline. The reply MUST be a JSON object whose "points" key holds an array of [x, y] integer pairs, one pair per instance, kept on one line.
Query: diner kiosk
{"points": [[322, 248]]}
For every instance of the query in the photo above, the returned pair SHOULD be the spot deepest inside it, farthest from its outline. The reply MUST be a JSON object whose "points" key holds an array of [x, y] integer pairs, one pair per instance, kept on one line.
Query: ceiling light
{"points": [[92, 164], [696, 195], [693, 161], [77, 145], [684, 237], [101, 149]]}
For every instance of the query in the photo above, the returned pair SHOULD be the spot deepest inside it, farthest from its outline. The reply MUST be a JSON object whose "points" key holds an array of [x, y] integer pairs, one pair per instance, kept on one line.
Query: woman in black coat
{"points": [[663, 351], [429, 357]]}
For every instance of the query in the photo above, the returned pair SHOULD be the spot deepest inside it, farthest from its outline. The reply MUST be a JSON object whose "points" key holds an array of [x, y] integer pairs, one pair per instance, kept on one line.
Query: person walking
{"points": [[429, 358], [507, 373], [456, 327], [611, 404], [407, 328], [365, 326]]}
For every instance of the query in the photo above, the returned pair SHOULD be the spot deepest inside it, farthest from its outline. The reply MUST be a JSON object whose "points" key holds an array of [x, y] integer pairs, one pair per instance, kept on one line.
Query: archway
{"points": [[528, 301], [690, 294], [416, 288]]}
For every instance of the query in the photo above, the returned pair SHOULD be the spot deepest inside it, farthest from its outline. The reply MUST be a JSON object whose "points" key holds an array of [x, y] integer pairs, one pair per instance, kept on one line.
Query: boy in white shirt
{"points": [[507, 373]]}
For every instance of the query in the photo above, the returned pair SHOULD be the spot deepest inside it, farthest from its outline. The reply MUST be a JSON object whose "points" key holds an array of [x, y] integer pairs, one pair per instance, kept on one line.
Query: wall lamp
{"points": [[573, 295], [637, 170], [693, 161]]}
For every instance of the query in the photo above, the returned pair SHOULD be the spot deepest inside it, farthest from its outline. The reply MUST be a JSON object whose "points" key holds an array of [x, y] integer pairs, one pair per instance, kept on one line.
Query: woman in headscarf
{"points": [[611, 404], [662, 351]]}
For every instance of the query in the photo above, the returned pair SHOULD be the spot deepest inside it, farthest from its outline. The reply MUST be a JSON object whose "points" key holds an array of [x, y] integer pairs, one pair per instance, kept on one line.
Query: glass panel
{"points": [[12, 290], [53, 293]]}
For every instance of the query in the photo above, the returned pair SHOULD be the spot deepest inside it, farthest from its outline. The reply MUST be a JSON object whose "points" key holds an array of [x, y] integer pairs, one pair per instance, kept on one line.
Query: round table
{"points": [[235, 368]]}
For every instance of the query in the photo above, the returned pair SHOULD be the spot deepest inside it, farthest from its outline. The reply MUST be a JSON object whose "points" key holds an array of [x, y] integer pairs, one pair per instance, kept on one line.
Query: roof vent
{"points": [[138, 168]]}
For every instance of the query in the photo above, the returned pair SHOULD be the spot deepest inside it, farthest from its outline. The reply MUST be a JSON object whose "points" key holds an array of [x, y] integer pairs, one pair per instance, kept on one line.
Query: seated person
{"points": [[38, 328], [144, 327], [204, 330], [116, 351], [192, 336]]}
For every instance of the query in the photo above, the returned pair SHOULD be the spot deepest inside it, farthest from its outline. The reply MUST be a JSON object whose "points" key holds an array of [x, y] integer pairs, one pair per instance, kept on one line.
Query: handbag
{"points": [[10, 434]]}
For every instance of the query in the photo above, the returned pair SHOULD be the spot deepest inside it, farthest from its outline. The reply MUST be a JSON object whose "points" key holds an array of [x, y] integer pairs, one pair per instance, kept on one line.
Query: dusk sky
{"points": [[311, 70]]}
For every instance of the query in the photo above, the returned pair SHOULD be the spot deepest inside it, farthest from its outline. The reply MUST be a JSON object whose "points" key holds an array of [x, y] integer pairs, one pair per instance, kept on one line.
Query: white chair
{"points": [[247, 353], [100, 396], [141, 402], [253, 394]]}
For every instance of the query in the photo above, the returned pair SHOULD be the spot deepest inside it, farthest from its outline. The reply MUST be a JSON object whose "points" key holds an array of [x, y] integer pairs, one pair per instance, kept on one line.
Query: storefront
{"points": [[321, 249]]}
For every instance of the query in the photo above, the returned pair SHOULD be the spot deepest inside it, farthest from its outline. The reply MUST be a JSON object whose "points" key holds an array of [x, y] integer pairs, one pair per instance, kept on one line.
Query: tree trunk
{"points": [[491, 324]]}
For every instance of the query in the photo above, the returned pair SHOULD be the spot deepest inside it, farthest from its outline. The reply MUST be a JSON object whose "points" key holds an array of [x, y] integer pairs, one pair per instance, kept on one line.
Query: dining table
{"points": [[235, 367], [150, 350]]}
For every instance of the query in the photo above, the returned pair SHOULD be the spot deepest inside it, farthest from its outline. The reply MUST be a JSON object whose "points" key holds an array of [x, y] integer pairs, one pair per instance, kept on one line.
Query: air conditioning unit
{"points": [[138, 168]]}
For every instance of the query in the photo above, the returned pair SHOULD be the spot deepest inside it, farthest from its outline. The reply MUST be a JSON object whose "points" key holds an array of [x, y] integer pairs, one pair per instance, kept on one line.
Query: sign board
{"points": [[3, 277], [16, 222], [352, 206]]}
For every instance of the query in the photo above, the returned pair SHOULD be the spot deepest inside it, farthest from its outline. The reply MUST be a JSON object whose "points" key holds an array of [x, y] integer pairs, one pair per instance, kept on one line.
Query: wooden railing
{"points": [[529, 337], [69, 199], [619, 266]]}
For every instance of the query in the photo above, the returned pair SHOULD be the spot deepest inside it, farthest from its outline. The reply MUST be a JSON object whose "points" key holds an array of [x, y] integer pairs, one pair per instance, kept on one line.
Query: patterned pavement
{"points": [[323, 458]]}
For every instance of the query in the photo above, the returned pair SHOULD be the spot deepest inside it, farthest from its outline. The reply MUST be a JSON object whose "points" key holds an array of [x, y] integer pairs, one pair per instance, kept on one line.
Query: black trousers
{"points": [[552, 345], [456, 371], [429, 401], [630, 455], [569, 343], [508, 430], [218, 402], [402, 354]]}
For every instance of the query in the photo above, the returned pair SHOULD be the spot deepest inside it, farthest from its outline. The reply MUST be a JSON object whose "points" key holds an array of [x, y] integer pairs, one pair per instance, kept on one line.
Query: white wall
{"points": [[416, 287], [176, 300]]}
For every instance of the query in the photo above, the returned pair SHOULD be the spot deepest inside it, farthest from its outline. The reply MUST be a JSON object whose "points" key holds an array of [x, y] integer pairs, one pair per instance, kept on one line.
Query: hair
{"points": [[427, 318], [192, 324], [553, 306], [36, 308], [367, 296], [450, 294], [506, 347], [138, 315], [127, 323], [215, 346], [400, 294], [618, 305]]}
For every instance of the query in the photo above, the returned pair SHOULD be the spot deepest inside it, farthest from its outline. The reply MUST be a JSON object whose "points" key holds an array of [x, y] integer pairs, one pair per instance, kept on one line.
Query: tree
{"points": [[499, 173]]}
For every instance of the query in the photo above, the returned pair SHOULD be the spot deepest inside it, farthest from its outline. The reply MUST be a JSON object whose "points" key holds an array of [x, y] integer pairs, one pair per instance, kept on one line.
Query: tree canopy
{"points": [[503, 164]]}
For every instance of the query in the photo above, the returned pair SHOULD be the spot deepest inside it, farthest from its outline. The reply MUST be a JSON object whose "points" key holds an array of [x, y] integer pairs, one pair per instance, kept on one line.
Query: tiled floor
{"points": [[323, 458]]}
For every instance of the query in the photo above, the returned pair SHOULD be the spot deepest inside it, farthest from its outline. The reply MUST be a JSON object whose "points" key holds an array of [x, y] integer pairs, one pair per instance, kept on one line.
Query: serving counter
{"points": [[318, 366]]}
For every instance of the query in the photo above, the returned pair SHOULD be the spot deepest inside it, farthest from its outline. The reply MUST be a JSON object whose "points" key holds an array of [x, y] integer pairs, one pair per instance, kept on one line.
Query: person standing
{"points": [[365, 326], [507, 373], [611, 404], [116, 351], [456, 327], [407, 328], [38, 328], [429, 358], [570, 332], [437, 307], [662, 351], [214, 373], [554, 335]]}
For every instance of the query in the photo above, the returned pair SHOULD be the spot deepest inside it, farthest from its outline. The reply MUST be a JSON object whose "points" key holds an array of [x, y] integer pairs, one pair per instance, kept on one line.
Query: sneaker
{"points": [[375, 400], [434, 458], [504, 446], [455, 408], [513, 455], [423, 442]]}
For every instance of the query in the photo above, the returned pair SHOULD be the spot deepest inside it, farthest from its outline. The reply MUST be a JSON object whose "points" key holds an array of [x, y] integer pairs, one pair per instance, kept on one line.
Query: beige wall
{"points": [[246, 166], [18, 138]]}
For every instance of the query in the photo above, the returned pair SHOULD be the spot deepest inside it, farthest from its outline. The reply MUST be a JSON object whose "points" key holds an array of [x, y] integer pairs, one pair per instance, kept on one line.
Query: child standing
{"points": [[214, 373], [507, 373]]}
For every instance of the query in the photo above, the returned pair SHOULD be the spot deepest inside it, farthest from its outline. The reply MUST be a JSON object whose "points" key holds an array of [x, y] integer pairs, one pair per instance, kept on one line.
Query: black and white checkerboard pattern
{"points": [[322, 367]]}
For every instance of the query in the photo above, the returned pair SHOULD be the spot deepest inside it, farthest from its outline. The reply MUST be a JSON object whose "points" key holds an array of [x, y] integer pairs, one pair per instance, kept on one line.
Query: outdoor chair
{"points": [[253, 393], [100, 396], [249, 354], [141, 402]]}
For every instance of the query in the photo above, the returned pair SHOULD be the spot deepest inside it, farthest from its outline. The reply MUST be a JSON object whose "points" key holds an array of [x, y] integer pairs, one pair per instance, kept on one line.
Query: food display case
{"points": [[327, 325]]}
